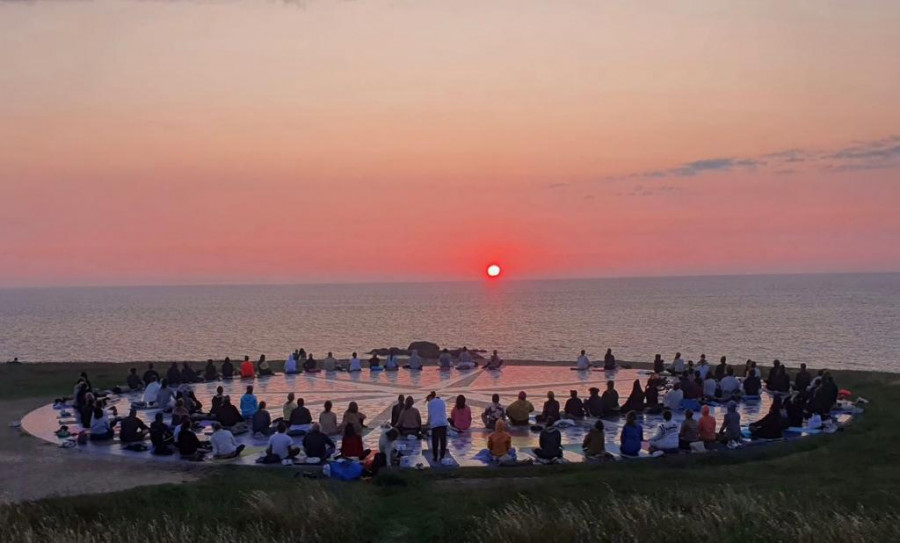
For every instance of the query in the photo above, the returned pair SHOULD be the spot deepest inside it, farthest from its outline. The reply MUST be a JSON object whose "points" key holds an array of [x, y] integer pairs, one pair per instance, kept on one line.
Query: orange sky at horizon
{"points": [[247, 141]]}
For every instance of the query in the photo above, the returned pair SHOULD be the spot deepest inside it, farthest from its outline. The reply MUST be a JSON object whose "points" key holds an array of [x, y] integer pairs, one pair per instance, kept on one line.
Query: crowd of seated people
{"points": [[681, 386]]}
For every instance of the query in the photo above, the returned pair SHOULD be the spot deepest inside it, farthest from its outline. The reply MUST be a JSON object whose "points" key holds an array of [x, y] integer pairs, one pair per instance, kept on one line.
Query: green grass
{"points": [[840, 487]]}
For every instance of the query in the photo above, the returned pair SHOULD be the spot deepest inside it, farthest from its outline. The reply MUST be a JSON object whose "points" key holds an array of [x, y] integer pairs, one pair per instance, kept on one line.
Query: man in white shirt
{"points": [[678, 364], [437, 421], [151, 392], [583, 362], [223, 443], [730, 385], [672, 400], [666, 437], [709, 387]]}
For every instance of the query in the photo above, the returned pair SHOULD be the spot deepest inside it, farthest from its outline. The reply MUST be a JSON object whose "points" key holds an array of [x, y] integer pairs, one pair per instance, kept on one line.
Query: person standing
{"points": [[437, 420]]}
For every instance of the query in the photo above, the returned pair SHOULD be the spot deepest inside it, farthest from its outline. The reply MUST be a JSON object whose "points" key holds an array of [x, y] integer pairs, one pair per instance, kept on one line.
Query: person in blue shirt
{"points": [[249, 404], [632, 435]]}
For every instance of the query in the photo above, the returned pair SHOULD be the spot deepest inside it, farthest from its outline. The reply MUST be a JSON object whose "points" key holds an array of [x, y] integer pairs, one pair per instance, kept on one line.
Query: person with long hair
{"points": [[352, 444], [632, 435], [635, 401], [461, 415], [353, 416]]}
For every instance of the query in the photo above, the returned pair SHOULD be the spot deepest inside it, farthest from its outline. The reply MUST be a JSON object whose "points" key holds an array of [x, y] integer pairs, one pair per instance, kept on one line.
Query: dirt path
{"points": [[31, 469]]}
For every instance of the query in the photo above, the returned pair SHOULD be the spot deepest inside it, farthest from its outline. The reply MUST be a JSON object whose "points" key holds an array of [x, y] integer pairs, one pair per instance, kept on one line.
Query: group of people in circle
{"points": [[676, 387]]}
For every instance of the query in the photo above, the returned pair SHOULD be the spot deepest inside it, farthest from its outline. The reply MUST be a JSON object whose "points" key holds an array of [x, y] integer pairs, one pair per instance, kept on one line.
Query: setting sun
{"points": [[493, 270]]}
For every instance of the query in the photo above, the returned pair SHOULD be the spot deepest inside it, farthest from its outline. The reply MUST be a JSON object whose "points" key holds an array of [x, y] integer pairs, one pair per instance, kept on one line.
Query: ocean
{"points": [[847, 321]]}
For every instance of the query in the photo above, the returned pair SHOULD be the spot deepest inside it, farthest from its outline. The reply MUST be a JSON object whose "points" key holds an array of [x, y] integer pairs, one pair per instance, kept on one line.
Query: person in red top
{"points": [[247, 369], [352, 445]]}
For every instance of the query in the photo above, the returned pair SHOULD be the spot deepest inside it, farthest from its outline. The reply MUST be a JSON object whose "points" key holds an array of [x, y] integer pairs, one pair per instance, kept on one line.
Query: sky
{"points": [[264, 141]]}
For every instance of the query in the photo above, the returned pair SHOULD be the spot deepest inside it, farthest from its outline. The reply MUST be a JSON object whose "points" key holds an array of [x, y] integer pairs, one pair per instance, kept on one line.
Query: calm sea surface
{"points": [[838, 321]]}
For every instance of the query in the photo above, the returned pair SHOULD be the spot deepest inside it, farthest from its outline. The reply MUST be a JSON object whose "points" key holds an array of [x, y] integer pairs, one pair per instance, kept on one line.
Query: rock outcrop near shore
{"points": [[426, 349]]}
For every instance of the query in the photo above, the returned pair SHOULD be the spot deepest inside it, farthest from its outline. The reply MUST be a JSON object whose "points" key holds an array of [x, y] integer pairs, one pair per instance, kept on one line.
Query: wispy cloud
{"points": [[876, 154]]}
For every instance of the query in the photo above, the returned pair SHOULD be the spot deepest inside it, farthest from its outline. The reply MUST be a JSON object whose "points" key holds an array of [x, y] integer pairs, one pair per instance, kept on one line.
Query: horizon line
{"points": [[446, 281]]}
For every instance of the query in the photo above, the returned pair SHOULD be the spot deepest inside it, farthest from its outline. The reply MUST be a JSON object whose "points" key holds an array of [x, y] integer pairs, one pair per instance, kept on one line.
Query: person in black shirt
{"points": [[609, 361], [188, 375], [150, 375], [550, 442], [721, 369], [610, 399], [395, 411], [227, 368], [160, 436], [228, 415], [134, 381], [752, 385], [209, 372], [635, 401], [803, 379], [188, 445], [300, 416], [316, 444], [132, 429], [574, 407], [173, 376], [217, 401], [550, 413], [594, 404]]}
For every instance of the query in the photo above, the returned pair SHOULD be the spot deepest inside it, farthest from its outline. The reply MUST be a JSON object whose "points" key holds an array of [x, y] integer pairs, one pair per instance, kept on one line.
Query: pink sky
{"points": [[255, 141]]}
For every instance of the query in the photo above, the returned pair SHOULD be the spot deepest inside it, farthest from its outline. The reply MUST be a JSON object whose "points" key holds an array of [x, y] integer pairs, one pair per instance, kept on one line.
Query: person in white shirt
{"points": [[101, 429], [415, 361], [666, 438], [672, 399], [280, 444], [151, 392], [678, 364], [290, 365], [730, 385], [583, 362], [437, 421], [465, 360], [223, 443], [709, 387], [329, 364], [355, 364], [703, 367]]}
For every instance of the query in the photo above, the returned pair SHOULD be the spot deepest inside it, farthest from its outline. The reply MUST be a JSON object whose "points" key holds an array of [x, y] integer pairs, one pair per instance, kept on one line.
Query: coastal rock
{"points": [[426, 349]]}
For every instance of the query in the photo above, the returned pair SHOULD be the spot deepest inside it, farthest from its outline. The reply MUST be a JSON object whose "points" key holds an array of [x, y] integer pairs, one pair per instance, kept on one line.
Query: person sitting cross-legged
{"points": [[262, 421], [500, 442], [318, 445], [132, 429], [550, 442], [281, 446], [519, 410], [409, 423], [666, 438], [352, 444], [594, 444], [223, 443]]}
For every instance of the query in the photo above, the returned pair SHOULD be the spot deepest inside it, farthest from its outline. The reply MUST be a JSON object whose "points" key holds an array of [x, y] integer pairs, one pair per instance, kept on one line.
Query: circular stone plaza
{"points": [[376, 392]]}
